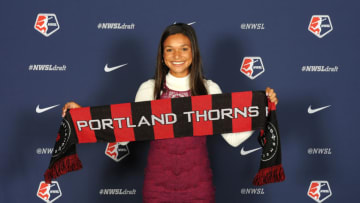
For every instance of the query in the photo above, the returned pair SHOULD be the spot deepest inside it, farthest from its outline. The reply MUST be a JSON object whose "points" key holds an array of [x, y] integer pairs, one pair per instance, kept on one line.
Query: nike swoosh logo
{"points": [[41, 110], [108, 69], [311, 111], [188, 23], [243, 152]]}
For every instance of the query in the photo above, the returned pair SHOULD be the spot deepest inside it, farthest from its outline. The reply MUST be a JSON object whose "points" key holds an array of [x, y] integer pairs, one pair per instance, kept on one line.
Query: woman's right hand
{"points": [[69, 105]]}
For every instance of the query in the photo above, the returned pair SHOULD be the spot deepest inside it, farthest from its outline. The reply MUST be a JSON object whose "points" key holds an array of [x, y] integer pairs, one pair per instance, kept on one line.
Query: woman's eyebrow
{"points": [[180, 45]]}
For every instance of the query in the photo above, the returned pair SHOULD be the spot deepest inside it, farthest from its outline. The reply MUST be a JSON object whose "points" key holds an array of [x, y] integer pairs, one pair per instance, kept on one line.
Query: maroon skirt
{"points": [[178, 170]]}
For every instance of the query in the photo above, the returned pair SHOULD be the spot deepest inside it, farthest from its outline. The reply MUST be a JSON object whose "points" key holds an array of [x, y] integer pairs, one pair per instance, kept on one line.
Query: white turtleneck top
{"points": [[146, 93]]}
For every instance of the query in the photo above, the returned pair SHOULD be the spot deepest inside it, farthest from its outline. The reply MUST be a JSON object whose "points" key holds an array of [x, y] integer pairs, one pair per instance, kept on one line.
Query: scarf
{"points": [[171, 118]]}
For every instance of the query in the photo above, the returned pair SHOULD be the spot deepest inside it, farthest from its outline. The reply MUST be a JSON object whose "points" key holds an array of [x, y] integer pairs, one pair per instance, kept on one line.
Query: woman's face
{"points": [[178, 54]]}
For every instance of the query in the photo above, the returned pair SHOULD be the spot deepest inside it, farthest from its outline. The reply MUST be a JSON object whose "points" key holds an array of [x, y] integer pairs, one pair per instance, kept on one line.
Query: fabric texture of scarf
{"points": [[171, 118]]}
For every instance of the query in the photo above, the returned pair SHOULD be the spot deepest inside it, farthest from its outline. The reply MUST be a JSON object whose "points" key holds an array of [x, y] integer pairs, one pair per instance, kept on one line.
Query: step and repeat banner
{"points": [[99, 52]]}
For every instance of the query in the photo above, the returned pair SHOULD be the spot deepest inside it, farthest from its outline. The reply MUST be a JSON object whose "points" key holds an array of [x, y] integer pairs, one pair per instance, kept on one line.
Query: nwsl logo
{"points": [[252, 66], [46, 24], [320, 25], [116, 151], [319, 191], [49, 192]]}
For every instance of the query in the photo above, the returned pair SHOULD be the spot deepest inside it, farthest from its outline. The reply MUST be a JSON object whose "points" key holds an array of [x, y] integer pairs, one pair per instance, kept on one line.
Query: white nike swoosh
{"points": [[243, 152], [107, 69], [311, 111], [188, 23], [41, 110]]}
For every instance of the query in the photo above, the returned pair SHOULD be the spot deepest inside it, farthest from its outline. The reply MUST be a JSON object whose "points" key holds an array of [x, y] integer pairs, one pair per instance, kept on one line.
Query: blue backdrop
{"points": [[320, 146]]}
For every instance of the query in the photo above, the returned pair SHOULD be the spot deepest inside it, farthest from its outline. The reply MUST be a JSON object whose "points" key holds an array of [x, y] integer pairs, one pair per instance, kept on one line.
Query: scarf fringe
{"points": [[63, 166], [269, 175]]}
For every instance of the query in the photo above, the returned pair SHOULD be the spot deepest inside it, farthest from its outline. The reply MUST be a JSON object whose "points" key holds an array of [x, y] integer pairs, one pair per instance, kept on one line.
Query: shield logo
{"points": [[252, 66], [320, 25], [46, 23], [319, 190], [116, 151], [49, 192]]}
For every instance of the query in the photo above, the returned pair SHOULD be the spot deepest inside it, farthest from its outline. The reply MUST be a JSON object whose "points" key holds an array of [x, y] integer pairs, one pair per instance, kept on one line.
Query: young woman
{"points": [[178, 170]]}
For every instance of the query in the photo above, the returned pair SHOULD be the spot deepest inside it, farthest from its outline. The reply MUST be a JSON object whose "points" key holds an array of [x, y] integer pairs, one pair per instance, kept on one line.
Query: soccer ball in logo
{"points": [[320, 25], [46, 24], [116, 151], [49, 192], [319, 190], [252, 66]]}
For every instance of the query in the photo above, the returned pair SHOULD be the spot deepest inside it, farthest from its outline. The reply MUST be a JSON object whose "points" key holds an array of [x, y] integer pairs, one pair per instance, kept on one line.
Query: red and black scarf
{"points": [[171, 118]]}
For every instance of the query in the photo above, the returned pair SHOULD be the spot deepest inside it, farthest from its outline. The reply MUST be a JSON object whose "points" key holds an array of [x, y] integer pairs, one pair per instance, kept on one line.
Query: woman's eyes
{"points": [[182, 49]]}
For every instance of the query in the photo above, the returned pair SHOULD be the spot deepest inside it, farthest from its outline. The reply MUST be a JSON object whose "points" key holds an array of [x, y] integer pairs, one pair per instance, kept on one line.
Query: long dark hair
{"points": [[197, 86]]}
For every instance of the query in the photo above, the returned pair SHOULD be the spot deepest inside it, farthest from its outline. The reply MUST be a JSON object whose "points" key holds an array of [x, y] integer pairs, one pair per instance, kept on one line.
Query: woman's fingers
{"points": [[270, 93], [64, 109], [69, 105]]}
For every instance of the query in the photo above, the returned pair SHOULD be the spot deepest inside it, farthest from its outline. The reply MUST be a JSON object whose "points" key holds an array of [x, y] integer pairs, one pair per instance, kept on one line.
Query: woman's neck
{"points": [[178, 84]]}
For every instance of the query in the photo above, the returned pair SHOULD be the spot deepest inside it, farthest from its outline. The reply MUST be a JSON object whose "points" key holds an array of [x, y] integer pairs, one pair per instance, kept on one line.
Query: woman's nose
{"points": [[176, 54]]}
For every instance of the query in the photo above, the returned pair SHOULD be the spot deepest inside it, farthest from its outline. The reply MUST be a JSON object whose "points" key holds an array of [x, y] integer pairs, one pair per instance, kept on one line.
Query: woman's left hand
{"points": [[271, 95]]}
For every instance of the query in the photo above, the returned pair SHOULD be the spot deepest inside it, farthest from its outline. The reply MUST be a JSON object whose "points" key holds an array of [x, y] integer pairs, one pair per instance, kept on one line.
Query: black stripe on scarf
{"points": [[102, 112], [260, 101], [221, 101], [182, 127], [138, 110]]}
